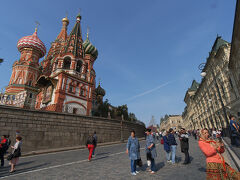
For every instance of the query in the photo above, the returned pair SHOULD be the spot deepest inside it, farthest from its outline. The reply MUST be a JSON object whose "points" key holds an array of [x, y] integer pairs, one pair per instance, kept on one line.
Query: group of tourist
{"points": [[210, 144], [13, 157]]}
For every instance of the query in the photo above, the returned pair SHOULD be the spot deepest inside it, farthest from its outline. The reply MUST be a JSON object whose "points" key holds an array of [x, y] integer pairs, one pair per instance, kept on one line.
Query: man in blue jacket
{"points": [[173, 144], [235, 131]]}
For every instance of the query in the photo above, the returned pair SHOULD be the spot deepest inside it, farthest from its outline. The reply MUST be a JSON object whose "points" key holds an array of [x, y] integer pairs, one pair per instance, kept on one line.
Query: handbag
{"points": [[139, 162], [10, 156]]}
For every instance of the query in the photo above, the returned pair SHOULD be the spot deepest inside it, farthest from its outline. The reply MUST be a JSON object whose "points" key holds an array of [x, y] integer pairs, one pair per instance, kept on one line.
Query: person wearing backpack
{"points": [[166, 146], [3, 146], [90, 144]]}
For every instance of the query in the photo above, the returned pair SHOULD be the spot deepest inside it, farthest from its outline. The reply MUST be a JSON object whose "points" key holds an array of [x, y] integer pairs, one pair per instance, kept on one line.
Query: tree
{"points": [[132, 117], [1, 60], [103, 109], [123, 110]]}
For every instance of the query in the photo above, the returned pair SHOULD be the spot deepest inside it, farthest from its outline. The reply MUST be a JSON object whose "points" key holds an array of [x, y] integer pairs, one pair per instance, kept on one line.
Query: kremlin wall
{"points": [[42, 130]]}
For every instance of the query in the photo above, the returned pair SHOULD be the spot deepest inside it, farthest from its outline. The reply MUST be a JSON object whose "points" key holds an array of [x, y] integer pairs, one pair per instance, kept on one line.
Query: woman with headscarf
{"points": [[217, 168]]}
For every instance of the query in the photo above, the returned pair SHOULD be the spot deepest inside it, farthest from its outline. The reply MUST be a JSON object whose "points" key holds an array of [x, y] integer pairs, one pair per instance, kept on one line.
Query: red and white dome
{"points": [[32, 42]]}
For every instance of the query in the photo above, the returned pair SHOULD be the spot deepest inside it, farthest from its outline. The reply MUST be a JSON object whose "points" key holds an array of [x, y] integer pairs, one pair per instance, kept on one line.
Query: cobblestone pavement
{"points": [[234, 148], [111, 162]]}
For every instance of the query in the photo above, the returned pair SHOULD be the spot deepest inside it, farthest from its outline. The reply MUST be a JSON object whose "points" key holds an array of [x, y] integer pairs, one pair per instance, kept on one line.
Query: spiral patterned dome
{"points": [[32, 42], [89, 48]]}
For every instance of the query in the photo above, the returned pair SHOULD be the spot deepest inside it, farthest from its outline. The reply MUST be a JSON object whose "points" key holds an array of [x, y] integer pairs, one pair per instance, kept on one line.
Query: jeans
{"points": [[168, 154], [173, 150], [153, 167], [2, 158], [235, 140], [187, 159], [133, 165], [93, 153]]}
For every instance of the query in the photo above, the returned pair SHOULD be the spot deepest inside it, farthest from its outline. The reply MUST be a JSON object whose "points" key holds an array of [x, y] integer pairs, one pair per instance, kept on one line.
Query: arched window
{"points": [[66, 63], [79, 66]]}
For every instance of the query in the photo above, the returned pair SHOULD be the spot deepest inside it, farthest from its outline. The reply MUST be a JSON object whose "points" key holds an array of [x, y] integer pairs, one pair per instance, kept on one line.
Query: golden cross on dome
{"points": [[87, 32], [37, 24], [99, 81]]}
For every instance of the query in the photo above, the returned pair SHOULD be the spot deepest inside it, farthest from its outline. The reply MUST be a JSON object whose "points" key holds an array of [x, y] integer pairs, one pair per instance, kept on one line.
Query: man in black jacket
{"points": [[183, 137]]}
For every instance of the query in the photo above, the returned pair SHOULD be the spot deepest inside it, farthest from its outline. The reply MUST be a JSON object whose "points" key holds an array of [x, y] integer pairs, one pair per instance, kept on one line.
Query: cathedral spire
{"points": [[63, 34], [74, 42]]}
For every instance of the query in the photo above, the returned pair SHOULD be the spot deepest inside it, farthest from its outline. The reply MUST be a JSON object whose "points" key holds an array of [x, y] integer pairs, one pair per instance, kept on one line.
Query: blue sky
{"points": [[149, 50]]}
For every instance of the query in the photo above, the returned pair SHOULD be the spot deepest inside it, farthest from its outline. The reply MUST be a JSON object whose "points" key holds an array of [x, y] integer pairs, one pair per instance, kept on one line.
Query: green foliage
{"points": [[132, 117], [123, 110], [103, 109]]}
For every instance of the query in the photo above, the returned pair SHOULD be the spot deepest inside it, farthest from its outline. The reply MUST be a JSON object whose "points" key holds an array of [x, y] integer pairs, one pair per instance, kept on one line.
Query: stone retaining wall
{"points": [[45, 130]]}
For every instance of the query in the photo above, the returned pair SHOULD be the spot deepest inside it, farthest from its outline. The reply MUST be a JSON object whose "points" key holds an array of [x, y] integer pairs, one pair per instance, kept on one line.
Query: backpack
{"points": [[162, 141]]}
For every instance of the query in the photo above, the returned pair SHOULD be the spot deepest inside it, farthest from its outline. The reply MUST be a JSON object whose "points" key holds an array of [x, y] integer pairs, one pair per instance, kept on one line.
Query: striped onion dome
{"points": [[32, 42], [89, 48]]}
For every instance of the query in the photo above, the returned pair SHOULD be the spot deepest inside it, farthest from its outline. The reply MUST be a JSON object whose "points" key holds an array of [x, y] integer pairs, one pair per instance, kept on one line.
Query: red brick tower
{"points": [[21, 90]]}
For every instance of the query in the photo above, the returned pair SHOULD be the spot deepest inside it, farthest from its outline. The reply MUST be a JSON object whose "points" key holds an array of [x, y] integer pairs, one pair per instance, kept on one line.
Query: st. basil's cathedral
{"points": [[63, 82]]}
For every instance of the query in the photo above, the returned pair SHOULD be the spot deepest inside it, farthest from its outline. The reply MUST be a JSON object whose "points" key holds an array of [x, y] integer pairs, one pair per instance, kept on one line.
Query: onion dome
{"points": [[32, 42], [89, 48], [65, 20], [100, 91]]}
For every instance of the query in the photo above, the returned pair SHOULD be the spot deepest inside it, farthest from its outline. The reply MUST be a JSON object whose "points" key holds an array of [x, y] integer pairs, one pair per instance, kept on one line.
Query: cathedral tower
{"points": [[21, 89]]}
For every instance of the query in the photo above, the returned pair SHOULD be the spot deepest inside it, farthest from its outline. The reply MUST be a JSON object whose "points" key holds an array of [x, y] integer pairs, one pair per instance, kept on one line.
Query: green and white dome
{"points": [[89, 48]]}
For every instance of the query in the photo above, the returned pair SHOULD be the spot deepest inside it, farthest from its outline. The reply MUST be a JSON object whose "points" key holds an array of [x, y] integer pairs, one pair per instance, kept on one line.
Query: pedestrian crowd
{"points": [[209, 141]]}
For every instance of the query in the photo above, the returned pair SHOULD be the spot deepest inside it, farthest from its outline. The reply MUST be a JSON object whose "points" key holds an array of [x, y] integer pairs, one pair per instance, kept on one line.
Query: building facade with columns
{"points": [[204, 108], [234, 62], [173, 121], [63, 82]]}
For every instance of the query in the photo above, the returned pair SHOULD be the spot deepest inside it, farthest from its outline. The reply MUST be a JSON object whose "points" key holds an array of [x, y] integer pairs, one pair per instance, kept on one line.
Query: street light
{"points": [[203, 74]]}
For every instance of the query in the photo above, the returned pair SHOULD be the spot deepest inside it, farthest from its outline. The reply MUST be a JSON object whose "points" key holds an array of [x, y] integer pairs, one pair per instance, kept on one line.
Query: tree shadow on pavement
{"points": [[5, 170]]}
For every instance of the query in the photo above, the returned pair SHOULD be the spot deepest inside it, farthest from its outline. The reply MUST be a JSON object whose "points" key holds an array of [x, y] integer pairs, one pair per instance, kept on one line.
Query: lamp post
{"points": [[122, 117], [203, 74]]}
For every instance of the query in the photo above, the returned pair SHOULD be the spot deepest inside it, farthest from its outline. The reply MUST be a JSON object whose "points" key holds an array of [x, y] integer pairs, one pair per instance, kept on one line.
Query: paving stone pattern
{"points": [[111, 162]]}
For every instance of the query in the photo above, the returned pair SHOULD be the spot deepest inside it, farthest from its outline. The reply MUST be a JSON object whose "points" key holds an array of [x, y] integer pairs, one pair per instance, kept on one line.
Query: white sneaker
{"points": [[134, 174], [169, 161]]}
